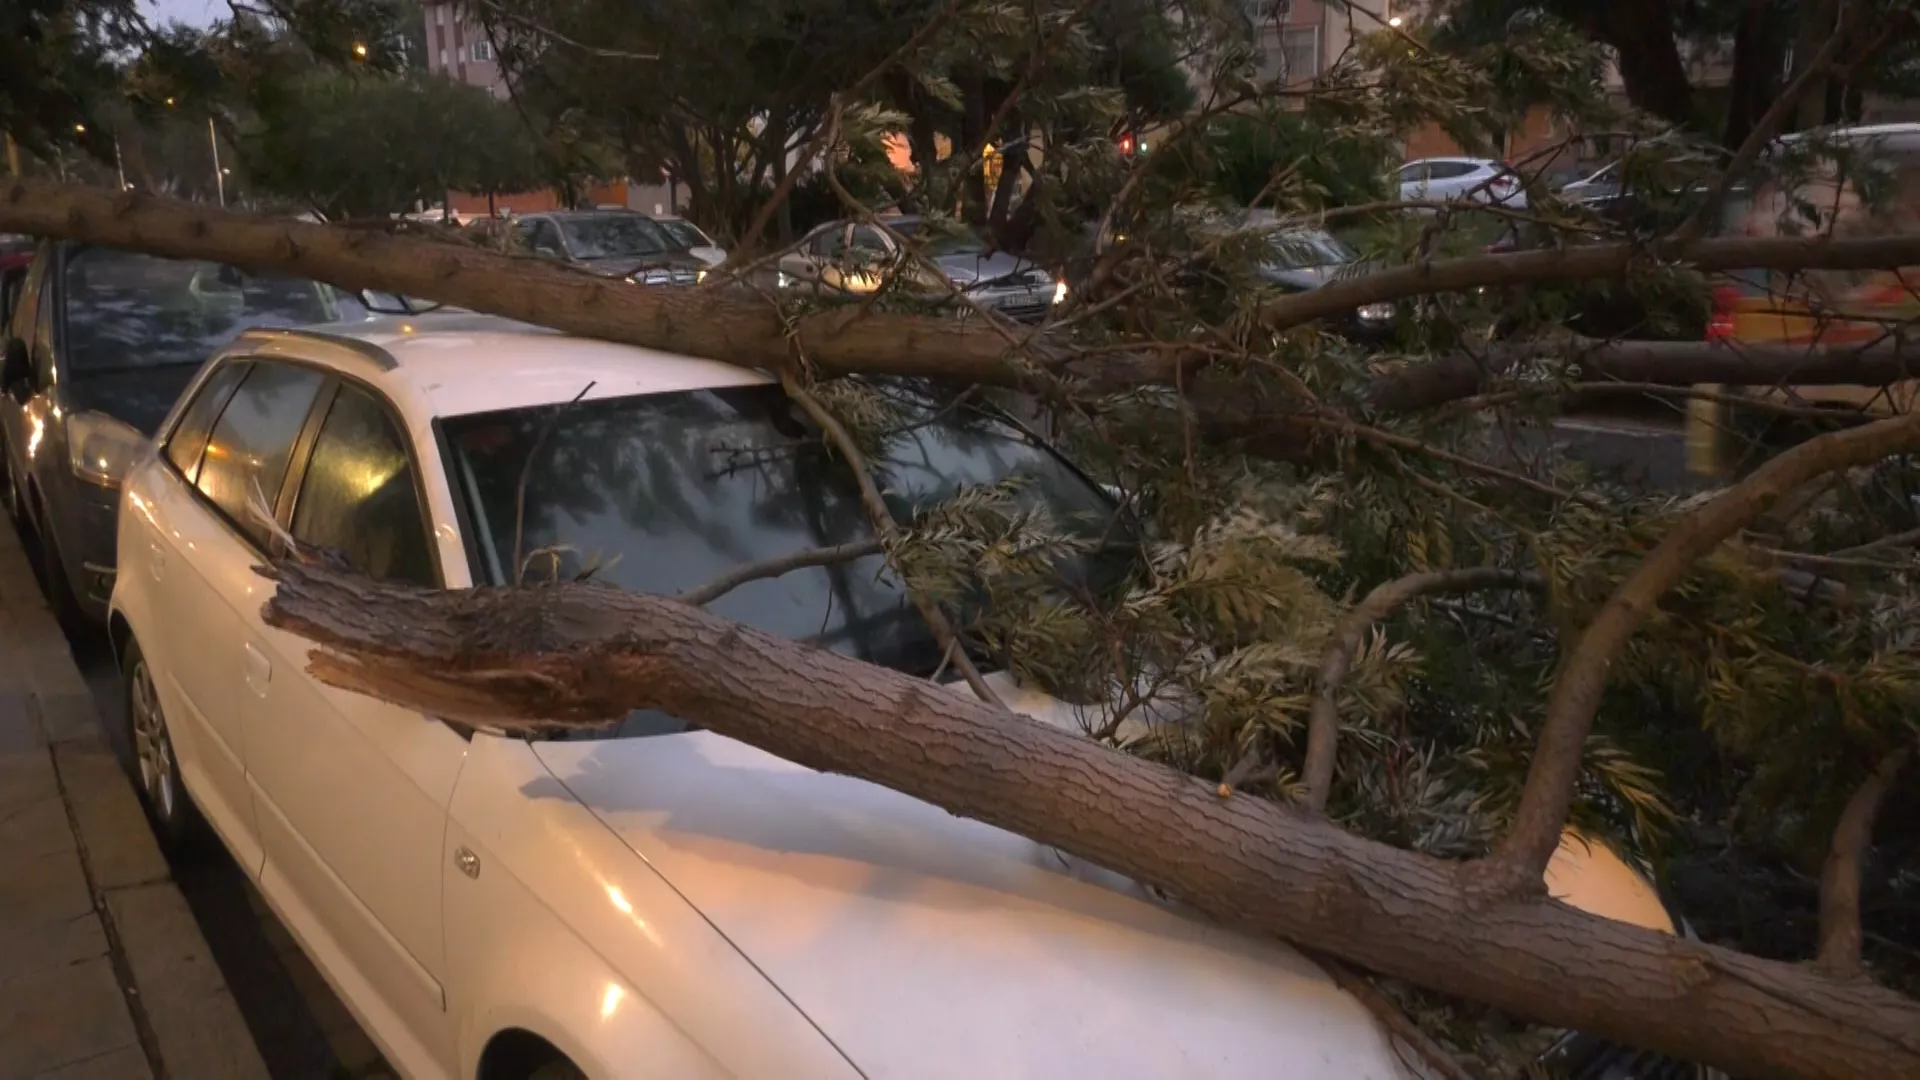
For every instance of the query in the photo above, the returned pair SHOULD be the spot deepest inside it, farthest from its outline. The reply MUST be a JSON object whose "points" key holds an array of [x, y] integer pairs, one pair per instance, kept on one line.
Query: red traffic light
{"points": [[1126, 144]]}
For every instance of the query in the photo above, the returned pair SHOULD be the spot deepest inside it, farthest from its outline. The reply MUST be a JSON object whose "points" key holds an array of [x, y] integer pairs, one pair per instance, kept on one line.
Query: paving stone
{"points": [[18, 732], [126, 1063], [30, 949], [62, 1016], [25, 778], [58, 678], [66, 716], [30, 829], [193, 1015], [43, 889], [119, 843]]}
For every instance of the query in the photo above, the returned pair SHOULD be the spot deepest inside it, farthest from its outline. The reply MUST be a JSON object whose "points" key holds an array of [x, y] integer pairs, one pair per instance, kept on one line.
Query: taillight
{"points": [[1503, 183], [1720, 322]]}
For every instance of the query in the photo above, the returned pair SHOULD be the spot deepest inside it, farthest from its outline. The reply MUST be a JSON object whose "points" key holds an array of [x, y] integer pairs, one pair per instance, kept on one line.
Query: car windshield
{"points": [[129, 311], [614, 236], [1298, 249], [685, 234], [945, 242], [666, 492]]}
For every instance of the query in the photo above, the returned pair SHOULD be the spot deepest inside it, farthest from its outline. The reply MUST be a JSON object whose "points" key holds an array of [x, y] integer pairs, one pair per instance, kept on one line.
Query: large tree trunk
{"points": [[584, 653], [1654, 74], [743, 329]]}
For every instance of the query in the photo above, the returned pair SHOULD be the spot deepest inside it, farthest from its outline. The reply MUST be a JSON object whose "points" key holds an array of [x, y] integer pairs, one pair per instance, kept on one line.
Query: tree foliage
{"points": [[1364, 580]]}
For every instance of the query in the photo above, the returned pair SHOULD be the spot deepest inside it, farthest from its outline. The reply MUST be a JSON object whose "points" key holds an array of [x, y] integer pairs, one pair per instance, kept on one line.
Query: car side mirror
{"points": [[16, 370]]}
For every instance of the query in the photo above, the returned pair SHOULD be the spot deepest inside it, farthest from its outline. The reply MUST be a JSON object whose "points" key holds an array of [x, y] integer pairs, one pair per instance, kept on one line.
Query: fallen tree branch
{"points": [[523, 660], [888, 533], [1394, 1019], [1323, 724], [737, 328], [772, 568], [1523, 853], [1840, 878]]}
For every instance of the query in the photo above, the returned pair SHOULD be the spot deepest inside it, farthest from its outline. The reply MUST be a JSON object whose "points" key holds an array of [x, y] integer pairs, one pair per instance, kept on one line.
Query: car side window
{"points": [[1449, 170], [27, 303], [545, 240], [869, 240], [189, 438], [831, 242], [42, 339], [1413, 173], [246, 457], [358, 496]]}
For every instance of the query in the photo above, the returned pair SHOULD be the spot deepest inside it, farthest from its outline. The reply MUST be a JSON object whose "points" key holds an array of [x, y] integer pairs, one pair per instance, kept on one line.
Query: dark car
{"points": [[613, 243], [98, 345], [1306, 259]]}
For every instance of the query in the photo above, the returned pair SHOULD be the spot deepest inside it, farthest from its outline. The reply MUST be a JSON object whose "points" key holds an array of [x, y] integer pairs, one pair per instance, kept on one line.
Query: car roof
{"points": [[444, 364]]}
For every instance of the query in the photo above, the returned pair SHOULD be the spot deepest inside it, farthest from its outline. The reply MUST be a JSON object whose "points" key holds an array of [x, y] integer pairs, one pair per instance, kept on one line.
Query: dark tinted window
{"points": [[612, 236], [246, 457], [1448, 170], [544, 239], [358, 496], [136, 311], [829, 243], [684, 234], [190, 437], [682, 488]]}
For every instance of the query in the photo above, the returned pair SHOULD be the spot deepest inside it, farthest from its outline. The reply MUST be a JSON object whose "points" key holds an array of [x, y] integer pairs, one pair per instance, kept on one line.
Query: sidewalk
{"points": [[103, 973]]}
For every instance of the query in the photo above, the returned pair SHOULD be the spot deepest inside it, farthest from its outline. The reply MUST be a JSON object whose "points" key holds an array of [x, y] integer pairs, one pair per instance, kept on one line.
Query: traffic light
{"points": [[1126, 145]]}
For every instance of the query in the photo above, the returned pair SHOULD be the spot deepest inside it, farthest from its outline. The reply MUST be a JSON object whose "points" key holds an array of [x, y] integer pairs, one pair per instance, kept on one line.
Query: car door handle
{"points": [[259, 669]]}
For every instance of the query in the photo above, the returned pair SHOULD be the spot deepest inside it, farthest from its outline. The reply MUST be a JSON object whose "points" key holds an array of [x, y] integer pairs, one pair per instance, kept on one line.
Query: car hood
{"points": [[972, 268], [626, 265], [927, 945], [138, 397]]}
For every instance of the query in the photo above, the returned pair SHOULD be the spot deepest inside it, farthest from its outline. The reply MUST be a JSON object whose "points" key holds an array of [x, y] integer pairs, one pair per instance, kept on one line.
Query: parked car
{"points": [[654, 899], [1451, 179], [852, 257], [614, 243], [692, 239], [1305, 259], [98, 345]]}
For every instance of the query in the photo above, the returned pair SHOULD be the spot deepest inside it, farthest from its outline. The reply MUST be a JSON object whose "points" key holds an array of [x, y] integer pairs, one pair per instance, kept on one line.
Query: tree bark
{"points": [[524, 659], [1840, 878]]}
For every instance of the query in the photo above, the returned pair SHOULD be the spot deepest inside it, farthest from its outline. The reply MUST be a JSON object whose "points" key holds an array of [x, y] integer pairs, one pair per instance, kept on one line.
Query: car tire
{"points": [[156, 770], [560, 1069]]}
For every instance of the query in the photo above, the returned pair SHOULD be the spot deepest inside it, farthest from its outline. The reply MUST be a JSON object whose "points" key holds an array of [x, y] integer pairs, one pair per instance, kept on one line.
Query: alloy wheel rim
{"points": [[152, 747]]}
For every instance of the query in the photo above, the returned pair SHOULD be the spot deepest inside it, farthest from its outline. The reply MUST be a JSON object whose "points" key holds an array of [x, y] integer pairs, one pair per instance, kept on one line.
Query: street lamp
{"points": [[360, 50], [169, 103], [79, 129], [1394, 22]]}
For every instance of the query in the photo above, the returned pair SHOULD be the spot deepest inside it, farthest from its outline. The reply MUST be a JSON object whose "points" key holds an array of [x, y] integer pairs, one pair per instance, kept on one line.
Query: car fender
{"points": [[553, 926]]}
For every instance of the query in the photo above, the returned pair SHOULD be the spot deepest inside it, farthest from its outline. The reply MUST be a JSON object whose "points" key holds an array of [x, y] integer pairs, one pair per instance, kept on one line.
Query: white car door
{"points": [[1413, 181], [352, 793], [201, 543]]}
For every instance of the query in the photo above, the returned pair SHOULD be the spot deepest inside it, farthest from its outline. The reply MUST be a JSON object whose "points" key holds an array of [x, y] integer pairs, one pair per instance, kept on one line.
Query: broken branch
{"points": [[1323, 724], [1840, 930]]}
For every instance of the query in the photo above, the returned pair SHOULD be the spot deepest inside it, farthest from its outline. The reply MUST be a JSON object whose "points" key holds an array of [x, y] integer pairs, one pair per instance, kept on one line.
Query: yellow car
{"points": [[1829, 307]]}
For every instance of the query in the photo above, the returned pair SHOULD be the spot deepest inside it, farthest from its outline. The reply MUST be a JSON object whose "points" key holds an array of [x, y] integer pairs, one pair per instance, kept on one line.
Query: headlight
{"points": [[699, 276], [1059, 292], [780, 280], [1376, 312], [101, 449]]}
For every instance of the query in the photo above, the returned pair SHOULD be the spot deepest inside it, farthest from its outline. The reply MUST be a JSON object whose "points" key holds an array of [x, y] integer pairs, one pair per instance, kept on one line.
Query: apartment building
{"points": [[460, 49]]}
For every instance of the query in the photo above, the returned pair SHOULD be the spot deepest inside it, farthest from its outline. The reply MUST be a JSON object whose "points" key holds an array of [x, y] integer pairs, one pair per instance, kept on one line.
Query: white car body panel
{"points": [[563, 932], [928, 945], [1471, 186], [683, 906]]}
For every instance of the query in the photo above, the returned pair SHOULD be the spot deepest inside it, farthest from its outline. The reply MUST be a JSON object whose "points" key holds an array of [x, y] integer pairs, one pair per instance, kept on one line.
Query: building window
{"points": [[1300, 52], [440, 16], [1266, 12], [443, 56], [481, 50]]}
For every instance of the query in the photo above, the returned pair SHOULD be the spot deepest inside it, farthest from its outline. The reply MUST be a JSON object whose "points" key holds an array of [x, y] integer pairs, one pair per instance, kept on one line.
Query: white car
{"points": [[654, 901], [1454, 179]]}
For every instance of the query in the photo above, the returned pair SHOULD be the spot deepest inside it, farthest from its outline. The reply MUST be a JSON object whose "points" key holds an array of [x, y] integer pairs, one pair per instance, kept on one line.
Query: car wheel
{"points": [[557, 1070], [175, 819]]}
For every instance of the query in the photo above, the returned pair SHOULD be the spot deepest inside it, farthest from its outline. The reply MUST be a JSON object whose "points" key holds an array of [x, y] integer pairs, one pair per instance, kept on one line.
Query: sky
{"points": [[196, 12]]}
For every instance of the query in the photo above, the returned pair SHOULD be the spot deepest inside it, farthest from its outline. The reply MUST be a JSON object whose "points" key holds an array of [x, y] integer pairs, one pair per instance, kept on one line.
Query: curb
{"points": [[176, 1019]]}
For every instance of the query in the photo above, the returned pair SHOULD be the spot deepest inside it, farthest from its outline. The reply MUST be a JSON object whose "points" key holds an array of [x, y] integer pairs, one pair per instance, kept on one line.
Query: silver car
{"points": [[857, 258]]}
